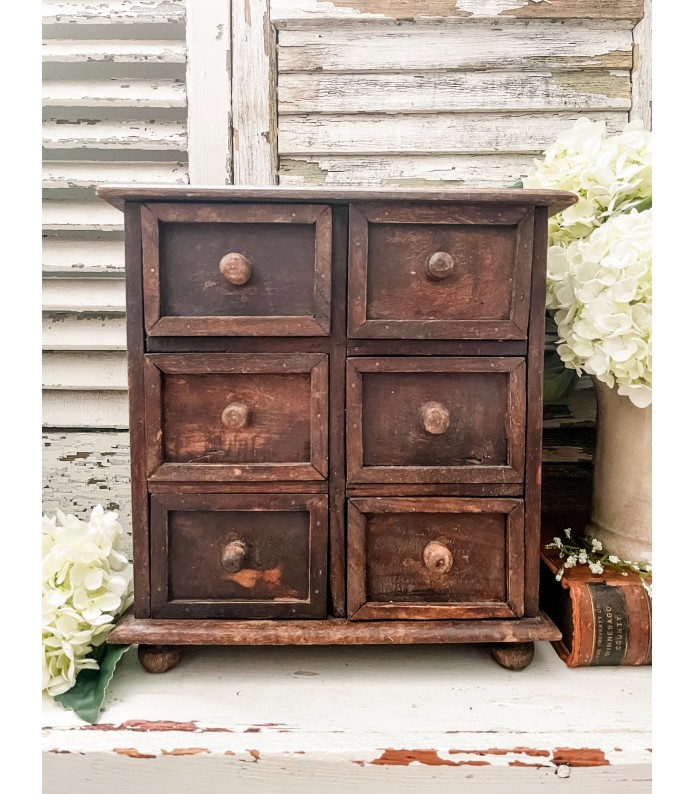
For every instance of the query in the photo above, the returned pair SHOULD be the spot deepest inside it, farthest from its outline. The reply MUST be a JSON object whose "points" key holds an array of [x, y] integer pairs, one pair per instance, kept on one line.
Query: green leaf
{"points": [[644, 204], [519, 183], [87, 695]]}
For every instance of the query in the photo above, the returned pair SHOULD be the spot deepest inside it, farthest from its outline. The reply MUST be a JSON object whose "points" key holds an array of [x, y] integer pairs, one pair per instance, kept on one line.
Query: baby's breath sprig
{"points": [[589, 551]]}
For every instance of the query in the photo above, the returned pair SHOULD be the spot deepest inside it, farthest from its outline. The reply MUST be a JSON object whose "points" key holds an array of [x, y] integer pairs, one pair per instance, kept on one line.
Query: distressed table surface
{"points": [[296, 719]]}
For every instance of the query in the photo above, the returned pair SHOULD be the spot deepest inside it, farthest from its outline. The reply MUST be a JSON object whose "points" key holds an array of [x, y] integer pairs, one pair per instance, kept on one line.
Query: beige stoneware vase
{"points": [[621, 508]]}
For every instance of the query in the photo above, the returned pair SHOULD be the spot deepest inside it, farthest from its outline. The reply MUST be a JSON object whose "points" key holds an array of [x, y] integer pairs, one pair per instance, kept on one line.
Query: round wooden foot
{"points": [[158, 658], [513, 655]]}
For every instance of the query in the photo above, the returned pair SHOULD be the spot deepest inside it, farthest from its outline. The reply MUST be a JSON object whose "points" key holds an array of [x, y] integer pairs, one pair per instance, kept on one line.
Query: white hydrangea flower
{"points": [[559, 574], [601, 290], [595, 567], [570, 561], [610, 174], [597, 545], [87, 582], [583, 556], [613, 558]]}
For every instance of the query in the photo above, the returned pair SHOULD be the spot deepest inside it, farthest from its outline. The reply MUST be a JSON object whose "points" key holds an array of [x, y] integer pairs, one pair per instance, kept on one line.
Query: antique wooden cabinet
{"points": [[335, 416]]}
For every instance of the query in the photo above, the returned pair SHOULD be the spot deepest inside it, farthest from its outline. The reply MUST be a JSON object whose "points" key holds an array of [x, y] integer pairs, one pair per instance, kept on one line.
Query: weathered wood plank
{"points": [[433, 133], [407, 92], [97, 134], [512, 45], [89, 256], [85, 409], [82, 469], [253, 87], [83, 332], [83, 295], [95, 12], [208, 79], [284, 11], [112, 51], [85, 371], [87, 173], [641, 77], [471, 170], [121, 92], [92, 216]]}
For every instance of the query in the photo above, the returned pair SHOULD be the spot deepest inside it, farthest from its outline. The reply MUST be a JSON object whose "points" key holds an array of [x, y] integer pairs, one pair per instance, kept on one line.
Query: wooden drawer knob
{"points": [[435, 418], [440, 266], [437, 557], [235, 268], [236, 415], [233, 556]]}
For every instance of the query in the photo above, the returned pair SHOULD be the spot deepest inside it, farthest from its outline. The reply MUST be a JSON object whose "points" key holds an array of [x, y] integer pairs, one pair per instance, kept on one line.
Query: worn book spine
{"points": [[604, 620]]}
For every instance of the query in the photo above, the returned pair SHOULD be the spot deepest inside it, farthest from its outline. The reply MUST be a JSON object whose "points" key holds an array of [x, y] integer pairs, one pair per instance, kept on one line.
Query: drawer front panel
{"points": [[441, 271], [237, 270], [441, 420], [435, 557], [226, 417], [239, 556]]}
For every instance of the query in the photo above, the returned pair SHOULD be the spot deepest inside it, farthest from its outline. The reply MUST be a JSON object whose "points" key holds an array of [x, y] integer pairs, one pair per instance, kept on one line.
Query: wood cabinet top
{"points": [[117, 195]]}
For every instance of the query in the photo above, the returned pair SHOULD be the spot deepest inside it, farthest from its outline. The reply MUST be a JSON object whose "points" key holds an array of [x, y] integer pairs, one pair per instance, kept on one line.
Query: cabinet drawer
{"points": [[435, 557], [238, 416], [440, 420], [443, 271], [239, 556], [236, 270]]}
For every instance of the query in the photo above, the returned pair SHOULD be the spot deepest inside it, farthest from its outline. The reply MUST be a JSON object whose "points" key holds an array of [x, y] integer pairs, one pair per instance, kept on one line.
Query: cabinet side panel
{"points": [[533, 446], [135, 339]]}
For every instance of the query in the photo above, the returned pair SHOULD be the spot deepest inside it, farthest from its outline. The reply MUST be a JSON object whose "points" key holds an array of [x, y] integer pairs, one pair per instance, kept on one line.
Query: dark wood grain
{"points": [[556, 200], [136, 400], [284, 564], [390, 576], [259, 488], [334, 631], [387, 440], [286, 252], [533, 458], [337, 415], [483, 294], [188, 432], [436, 489]]}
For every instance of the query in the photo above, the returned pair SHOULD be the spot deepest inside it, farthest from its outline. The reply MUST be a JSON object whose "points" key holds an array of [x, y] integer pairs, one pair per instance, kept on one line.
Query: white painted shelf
{"points": [[298, 720]]}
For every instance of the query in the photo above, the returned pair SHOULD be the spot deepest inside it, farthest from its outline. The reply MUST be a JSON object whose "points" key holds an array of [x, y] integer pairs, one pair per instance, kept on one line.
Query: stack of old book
{"points": [[604, 620]]}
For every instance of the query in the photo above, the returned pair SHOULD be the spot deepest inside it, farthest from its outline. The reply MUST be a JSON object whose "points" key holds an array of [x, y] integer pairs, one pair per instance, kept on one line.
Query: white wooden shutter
{"points": [[114, 98]]}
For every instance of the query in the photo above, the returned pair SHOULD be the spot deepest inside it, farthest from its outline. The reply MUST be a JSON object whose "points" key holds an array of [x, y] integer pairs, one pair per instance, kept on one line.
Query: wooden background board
{"points": [[390, 92]]}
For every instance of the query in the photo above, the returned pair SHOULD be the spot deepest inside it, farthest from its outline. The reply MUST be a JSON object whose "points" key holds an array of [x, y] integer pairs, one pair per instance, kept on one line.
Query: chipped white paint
{"points": [[85, 371], [436, 133], [642, 89], [85, 409], [81, 470], [94, 12], [378, 719], [494, 7], [513, 44], [113, 51], [64, 174], [330, 11], [487, 171], [83, 332], [433, 92], [83, 295], [208, 36], [114, 93], [81, 216], [102, 134], [253, 92], [72, 257]]}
